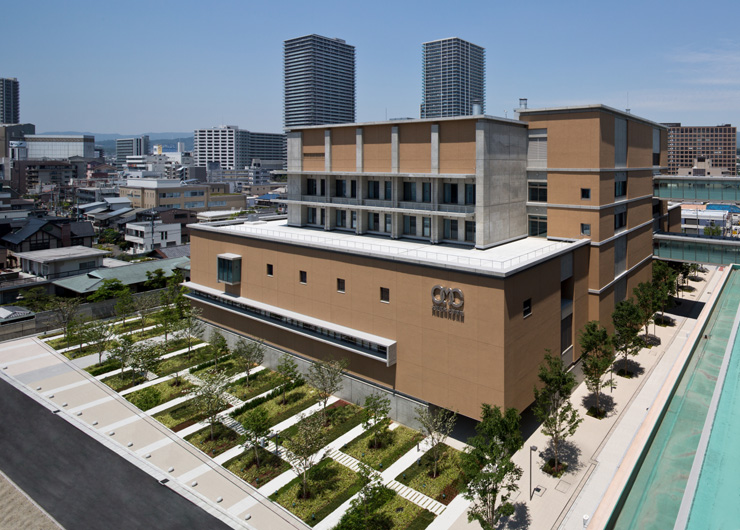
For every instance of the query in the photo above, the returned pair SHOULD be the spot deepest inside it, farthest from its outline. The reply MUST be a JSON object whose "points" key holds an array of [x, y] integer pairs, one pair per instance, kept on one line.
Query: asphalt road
{"points": [[78, 481]]}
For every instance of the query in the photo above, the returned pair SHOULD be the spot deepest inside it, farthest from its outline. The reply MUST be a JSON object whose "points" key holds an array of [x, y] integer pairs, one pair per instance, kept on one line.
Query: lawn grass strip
{"points": [[167, 391], [224, 439], [404, 439], [244, 467]]}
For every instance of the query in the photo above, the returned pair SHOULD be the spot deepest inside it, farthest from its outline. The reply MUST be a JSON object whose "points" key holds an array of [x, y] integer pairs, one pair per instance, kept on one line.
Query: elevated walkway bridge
{"points": [[710, 250]]}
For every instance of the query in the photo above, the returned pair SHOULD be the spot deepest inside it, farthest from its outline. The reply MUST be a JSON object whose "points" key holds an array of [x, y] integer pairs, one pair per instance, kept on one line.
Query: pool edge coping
{"points": [[611, 498], [684, 511]]}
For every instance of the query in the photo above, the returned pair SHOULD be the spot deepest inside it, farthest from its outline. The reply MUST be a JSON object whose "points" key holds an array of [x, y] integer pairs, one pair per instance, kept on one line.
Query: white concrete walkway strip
{"points": [[159, 444], [121, 423], [147, 384], [168, 405], [92, 404], [25, 359], [66, 387], [277, 483], [242, 506], [194, 473]]}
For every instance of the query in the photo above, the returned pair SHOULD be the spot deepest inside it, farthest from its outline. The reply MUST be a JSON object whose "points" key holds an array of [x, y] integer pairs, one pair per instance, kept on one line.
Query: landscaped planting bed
{"points": [[406, 515], [330, 485], [448, 482], [297, 400], [223, 439], [341, 418], [181, 416], [122, 381], [165, 391], [106, 366], [259, 383], [245, 467], [395, 444], [228, 366], [182, 361]]}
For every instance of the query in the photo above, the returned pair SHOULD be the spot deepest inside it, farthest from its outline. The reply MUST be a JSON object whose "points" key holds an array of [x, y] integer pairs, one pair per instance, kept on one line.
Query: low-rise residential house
{"points": [[147, 236], [133, 275], [46, 233], [61, 262]]}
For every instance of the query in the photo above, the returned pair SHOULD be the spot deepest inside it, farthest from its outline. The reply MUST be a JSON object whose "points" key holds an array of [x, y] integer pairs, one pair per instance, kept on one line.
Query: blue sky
{"points": [[132, 67]]}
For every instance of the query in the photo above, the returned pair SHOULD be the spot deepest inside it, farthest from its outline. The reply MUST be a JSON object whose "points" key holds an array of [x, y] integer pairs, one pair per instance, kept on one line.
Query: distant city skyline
{"points": [[199, 67]]}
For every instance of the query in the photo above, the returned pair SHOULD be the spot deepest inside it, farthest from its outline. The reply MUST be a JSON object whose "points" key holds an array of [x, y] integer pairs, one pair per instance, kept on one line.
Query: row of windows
{"points": [[538, 191], [410, 193], [368, 346], [385, 293]]}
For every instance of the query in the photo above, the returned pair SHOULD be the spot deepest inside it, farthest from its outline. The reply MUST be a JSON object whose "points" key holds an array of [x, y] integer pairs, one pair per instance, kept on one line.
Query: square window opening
{"points": [[340, 285], [385, 295]]}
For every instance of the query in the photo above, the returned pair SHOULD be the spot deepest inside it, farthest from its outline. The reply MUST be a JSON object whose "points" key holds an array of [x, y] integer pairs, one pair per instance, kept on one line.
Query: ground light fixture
{"points": [[532, 449]]}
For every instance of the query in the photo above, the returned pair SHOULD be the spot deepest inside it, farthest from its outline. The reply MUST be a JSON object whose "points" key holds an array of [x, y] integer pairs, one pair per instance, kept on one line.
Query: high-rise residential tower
{"points": [[9, 100], [319, 81], [234, 148], [453, 78]]}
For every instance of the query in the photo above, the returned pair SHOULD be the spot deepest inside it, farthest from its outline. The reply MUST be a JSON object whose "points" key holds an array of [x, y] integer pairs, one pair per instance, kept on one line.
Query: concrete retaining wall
{"points": [[354, 389]]}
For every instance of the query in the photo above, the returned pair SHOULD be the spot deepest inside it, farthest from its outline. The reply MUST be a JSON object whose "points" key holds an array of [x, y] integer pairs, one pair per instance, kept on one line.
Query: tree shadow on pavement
{"points": [[568, 453], [687, 308], [519, 519], [633, 368], [606, 403]]}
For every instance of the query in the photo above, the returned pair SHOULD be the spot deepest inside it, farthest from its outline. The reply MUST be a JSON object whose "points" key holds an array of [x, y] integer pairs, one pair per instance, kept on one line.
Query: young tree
{"points": [[627, 321], [664, 280], [125, 305], [304, 447], [121, 350], [99, 336], [219, 346], [552, 404], [288, 370], [257, 426], [645, 299], [487, 464], [598, 356], [144, 303], [166, 320], [363, 513], [326, 377], [65, 310], [143, 357], [436, 425], [209, 397], [109, 288], [193, 326], [35, 299], [248, 354], [377, 409], [173, 294], [155, 279]]}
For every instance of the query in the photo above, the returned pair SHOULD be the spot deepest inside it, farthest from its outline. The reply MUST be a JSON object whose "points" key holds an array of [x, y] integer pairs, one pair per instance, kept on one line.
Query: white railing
{"points": [[380, 249]]}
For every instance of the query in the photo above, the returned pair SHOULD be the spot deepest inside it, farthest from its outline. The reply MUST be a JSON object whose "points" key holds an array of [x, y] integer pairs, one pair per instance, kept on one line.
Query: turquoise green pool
{"points": [[715, 503], [654, 498]]}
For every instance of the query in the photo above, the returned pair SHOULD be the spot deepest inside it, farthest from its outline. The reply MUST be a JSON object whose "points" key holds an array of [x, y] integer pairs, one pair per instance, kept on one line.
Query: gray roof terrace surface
{"points": [[411, 120], [61, 254], [502, 260], [586, 108]]}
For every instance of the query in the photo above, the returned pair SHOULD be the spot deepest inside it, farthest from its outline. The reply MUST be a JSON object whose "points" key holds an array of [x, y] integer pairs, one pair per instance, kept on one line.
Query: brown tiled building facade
{"points": [[442, 257]]}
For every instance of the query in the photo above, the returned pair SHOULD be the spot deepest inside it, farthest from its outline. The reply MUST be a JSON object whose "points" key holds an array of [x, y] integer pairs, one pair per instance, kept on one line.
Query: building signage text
{"points": [[448, 303]]}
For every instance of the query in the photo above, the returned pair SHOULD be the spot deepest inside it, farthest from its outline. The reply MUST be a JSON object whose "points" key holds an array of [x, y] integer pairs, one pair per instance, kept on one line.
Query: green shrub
{"points": [[148, 398]]}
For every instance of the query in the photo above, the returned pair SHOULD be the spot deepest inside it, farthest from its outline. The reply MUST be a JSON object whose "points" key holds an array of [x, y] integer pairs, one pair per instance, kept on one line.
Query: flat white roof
{"points": [[502, 260], [61, 254]]}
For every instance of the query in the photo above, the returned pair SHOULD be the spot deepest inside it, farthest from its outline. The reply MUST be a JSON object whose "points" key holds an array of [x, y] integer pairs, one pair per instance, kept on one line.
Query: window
{"points": [[341, 218], [620, 188], [353, 220], [450, 193], [469, 193], [426, 192], [388, 222], [426, 226], [537, 191], [409, 191], [373, 221], [196, 193], [340, 285], [620, 220], [470, 231], [340, 188], [229, 268], [302, 277], [373, 189], [585, 229], [409, 225], [586, 194], [538, 226], [310, 186], [537, 148], [450, 229], [269, 269], [311, 216], [353, 189], [385, 295], [388, 190], [195, 204], [527, 307]]}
